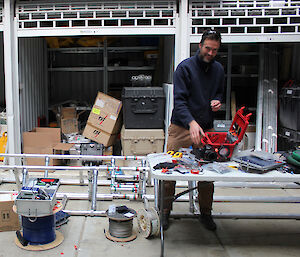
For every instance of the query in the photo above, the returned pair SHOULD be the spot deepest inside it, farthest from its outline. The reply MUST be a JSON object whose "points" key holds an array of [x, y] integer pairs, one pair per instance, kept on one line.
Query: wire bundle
{"points": [[120, 229]]}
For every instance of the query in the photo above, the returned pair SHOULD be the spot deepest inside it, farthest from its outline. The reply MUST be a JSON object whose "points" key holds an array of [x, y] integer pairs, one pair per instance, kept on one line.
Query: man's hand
{"points": [[195, 132], [215, 105]]}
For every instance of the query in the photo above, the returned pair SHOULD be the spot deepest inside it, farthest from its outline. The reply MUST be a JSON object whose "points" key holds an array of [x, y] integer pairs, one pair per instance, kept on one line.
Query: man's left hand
{"points": [[215, 105]]}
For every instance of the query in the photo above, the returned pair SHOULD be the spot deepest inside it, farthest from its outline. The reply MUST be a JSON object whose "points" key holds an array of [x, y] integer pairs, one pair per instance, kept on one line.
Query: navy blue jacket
{"points": [[196, 83]]}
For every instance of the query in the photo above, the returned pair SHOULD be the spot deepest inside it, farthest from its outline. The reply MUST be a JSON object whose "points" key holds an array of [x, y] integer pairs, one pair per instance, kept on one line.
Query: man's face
{"points": [[209, 49]]}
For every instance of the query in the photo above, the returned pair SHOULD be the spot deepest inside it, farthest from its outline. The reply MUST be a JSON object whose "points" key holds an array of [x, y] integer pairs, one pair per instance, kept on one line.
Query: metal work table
{"points": [[207, 175]]}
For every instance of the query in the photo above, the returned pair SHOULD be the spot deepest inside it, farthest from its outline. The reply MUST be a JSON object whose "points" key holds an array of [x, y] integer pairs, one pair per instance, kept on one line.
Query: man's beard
{"points": [[202, 57]]}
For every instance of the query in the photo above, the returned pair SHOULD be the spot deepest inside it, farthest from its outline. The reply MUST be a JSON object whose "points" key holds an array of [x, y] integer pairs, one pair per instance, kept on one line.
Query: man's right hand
{"points": [[196, 132]]}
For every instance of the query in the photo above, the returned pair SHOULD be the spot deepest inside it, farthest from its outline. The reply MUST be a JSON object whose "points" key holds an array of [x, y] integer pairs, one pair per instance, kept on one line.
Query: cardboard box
{"points": [[98, 135], [40, 141], [69, 126], [61, 148], [69, 120], [109, 123], [105, 114], [108, 103], [9, 220]]}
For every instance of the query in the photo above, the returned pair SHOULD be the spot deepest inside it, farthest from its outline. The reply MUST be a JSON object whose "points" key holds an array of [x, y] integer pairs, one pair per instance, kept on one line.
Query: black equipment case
{"points": [[143, 107]]}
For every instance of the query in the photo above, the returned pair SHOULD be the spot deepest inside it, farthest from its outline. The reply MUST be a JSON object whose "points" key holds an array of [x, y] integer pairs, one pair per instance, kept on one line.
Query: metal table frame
{"points": [[235, 176]]}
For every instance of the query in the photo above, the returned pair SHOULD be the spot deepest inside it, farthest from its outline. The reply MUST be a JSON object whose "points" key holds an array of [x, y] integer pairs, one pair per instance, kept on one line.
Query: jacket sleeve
{"points": [[181, 93]]}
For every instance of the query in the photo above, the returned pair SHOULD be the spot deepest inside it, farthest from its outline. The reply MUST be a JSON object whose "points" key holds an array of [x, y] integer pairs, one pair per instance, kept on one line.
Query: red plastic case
{"points": [[221, 140]]}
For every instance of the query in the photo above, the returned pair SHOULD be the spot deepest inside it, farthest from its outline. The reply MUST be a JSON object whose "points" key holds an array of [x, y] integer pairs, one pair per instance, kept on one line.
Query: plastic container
{"points": [[143, 107], [142, 141], [223, 143]]}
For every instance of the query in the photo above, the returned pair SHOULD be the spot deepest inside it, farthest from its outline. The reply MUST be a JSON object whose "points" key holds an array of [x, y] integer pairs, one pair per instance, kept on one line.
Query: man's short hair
{"points": [[211, 34]]}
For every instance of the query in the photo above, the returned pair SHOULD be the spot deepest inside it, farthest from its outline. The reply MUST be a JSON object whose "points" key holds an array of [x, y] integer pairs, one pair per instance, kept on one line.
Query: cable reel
{"points": [[148, 222]]}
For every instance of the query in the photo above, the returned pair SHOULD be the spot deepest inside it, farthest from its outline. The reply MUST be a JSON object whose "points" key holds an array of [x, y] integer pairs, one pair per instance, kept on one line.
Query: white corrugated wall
{"points": [[2, 84], [33, 81]]}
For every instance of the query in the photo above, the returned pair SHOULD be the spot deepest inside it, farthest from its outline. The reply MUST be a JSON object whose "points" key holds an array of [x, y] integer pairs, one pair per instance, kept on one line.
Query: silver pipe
{"points": [[25, 175], [100, 197], [47, 161], [191, 184], [125, 186], [141, 182], [256, 185], [259, 109], [156, 192], [242, 199], [102, 168], [17, 178], [64, 201], [112, 172], [94, 198], [90, 185], [86, 213], [127, 189], [77, 157], [238, 215], [124, 177], [217, 184]]}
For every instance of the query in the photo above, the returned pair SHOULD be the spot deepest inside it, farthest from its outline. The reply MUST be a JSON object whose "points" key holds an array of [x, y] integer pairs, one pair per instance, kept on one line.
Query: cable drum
{"points": [[148, 222], [121, 224], [39, 230], [120, 229]]}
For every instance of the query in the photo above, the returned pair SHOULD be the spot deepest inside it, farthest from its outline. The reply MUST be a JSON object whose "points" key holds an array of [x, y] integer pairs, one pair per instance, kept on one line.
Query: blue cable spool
{"points": [[39, 230]]}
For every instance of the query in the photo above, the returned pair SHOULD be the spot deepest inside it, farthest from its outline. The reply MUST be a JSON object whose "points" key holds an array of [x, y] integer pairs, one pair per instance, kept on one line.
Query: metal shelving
{"points": [[103, 59]]}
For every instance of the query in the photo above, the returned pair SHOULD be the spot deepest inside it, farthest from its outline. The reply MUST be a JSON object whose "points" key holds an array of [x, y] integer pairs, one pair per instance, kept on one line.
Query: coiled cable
{"points": [[120, 229]]}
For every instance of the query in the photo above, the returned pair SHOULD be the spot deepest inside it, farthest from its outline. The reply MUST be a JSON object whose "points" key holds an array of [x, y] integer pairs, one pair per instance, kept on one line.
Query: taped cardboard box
{"points": [[105, 114], [98, 135], [108, 103], [109, 123], [9, 220], [40, 141], [69, 120]]}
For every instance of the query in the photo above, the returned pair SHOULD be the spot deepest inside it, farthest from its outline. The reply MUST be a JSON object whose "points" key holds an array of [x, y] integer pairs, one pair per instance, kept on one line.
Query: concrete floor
{"points": [[84, 236]]}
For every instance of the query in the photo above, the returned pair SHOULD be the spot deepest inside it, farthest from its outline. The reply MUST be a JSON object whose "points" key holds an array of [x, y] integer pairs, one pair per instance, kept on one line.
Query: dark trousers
{"points": [[180, 137]]}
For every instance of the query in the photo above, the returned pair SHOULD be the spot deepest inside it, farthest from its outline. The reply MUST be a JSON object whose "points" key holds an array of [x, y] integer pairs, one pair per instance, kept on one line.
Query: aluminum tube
{"points": [[126, 186], [102, 168], [112, 172], [100, 197], [156, 187], [242, 199], [86, 213], [117, 189], [47, 161], [270, 185], [90, 185], [191, 184], [94, 197], [81, 157], [259, 109], [129, 177], [25, 174], [239, 215], [256, 185]]}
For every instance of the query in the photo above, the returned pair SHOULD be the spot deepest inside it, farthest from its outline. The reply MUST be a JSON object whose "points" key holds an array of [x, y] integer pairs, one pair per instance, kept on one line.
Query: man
{"points": [[198, 90]]}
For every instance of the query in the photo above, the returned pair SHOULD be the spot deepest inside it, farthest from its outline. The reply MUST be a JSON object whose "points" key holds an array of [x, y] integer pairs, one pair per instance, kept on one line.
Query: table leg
{"points": [[161, 217], [156, 192]]}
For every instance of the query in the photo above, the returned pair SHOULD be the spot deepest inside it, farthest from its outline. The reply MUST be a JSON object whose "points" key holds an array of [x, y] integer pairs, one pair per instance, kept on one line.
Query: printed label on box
{"points": [[96, 111], [113, 117], [100, 103]]}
